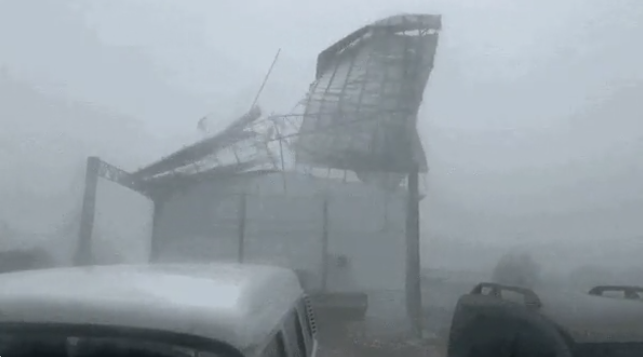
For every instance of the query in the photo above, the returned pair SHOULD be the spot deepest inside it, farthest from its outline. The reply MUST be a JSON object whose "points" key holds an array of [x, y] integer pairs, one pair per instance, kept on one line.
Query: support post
{"points": [[413, 288], [324, 237], [83, 254], [242, 227], [155, 249]]}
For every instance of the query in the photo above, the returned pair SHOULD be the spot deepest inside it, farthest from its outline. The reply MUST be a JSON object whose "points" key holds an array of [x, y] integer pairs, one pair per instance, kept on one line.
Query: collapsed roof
{"points": [[360, 113]]}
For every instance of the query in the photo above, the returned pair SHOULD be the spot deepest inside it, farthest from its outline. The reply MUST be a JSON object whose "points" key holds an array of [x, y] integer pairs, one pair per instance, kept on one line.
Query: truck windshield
{"points": [[27, 344]]}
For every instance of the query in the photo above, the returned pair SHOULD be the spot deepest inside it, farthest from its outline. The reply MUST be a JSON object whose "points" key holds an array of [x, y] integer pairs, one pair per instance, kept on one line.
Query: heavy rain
{"points": [[394, 154]]}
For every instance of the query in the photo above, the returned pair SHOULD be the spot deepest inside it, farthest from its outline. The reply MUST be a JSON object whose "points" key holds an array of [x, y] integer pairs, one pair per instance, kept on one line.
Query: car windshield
{"points": [[609, 349], [112, 342]]}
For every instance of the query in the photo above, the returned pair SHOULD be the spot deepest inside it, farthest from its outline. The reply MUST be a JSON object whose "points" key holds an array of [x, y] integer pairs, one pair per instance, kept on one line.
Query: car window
{"points": [[276, 347], [305, 326], [294, 336], [28, 345], [299, 333]]}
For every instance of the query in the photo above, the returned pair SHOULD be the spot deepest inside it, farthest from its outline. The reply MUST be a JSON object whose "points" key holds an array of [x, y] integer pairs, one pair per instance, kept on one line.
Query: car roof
{"points": [[237, 304], [584, 317], [592, 318]]}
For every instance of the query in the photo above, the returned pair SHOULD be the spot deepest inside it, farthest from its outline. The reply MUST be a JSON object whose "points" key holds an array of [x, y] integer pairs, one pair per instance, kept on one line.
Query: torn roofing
{"points": [[361, 111], [201, 149], [397, 23]]}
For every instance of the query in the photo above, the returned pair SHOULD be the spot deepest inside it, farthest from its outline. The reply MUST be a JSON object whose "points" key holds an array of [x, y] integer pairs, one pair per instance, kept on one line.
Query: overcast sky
{"points": [[532, 111]]}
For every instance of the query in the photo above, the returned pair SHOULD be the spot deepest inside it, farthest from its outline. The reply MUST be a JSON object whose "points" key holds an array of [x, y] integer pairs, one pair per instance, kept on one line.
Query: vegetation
{"points": [[518, 269]]}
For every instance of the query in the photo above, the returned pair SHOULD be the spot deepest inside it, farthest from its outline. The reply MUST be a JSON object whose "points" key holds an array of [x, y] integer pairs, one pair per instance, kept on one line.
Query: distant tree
{"points": [[518, 269]]}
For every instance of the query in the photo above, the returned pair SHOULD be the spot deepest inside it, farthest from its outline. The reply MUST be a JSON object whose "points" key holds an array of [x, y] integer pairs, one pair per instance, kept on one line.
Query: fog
{"points": [[530, 119]]}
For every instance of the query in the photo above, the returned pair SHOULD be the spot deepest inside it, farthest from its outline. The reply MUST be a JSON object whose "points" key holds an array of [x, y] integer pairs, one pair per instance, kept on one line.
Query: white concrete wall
{"points": [[285, 228], [123, 222]]}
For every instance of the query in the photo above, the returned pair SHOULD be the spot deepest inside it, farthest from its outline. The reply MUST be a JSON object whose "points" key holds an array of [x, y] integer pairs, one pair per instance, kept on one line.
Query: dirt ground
{"points": [[342, 342], [439, 304], [426, 350]]}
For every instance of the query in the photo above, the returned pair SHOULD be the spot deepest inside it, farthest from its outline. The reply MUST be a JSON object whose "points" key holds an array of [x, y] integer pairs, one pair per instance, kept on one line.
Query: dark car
{"points": [[508, 321], [25, 259], [619, 291]]}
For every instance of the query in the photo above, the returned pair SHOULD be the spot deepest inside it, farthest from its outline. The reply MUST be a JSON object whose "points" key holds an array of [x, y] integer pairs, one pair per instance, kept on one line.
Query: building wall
{"points": [[284, 226]]}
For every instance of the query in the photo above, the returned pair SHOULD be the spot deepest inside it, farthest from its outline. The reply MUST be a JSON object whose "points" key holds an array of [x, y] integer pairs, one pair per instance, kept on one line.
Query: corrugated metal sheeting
{"points": [[361, 110]]}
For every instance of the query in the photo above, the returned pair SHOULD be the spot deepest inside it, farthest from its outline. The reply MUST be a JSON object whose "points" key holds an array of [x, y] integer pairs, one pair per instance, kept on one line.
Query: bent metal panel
{"points": [[361, 111]]}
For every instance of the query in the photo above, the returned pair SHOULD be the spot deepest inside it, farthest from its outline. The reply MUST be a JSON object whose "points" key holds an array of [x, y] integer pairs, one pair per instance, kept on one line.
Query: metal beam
{"points": [[413, 287]]}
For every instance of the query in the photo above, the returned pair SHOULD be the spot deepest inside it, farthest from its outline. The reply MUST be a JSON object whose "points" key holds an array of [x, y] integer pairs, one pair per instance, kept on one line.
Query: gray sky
{"points": [[531, 114]]}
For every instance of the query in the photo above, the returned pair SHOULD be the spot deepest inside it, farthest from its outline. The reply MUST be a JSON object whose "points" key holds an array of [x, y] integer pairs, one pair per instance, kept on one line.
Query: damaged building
{"points": [[321, 190]]}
